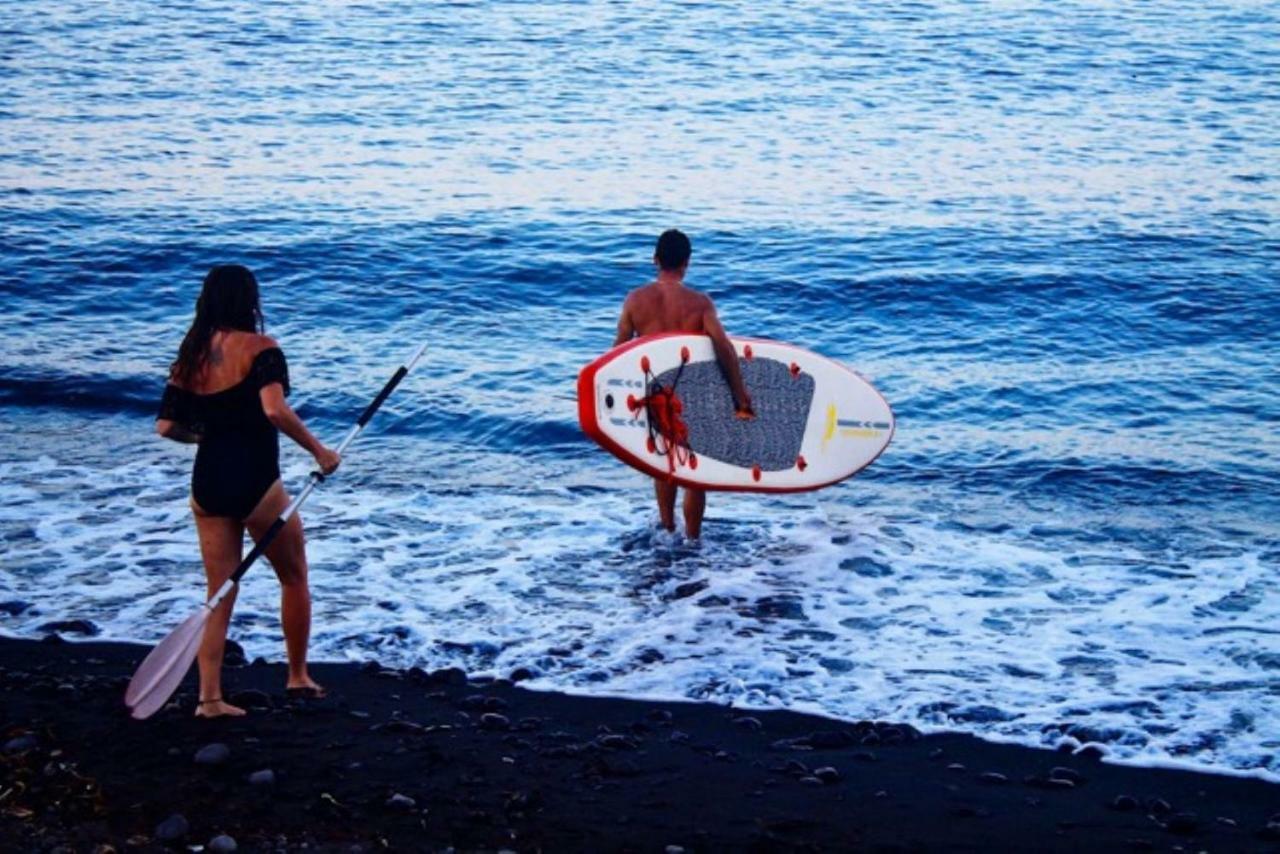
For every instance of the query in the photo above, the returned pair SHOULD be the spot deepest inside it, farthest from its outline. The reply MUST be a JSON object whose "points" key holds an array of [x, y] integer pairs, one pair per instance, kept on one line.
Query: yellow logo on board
{"points": [[830, 432], [849, 429]]}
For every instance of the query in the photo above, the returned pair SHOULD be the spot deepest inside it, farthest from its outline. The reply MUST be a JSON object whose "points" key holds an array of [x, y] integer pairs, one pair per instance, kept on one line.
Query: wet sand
{"points": [[411, 760]]}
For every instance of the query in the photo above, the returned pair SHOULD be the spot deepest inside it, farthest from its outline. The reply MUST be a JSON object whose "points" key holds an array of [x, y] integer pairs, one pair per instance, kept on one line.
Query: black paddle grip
{"points": [[382, 395], [258, 548]]}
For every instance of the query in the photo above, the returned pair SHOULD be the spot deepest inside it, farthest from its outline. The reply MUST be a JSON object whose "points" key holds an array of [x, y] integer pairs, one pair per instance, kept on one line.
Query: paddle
{"points": [[163, 669]]}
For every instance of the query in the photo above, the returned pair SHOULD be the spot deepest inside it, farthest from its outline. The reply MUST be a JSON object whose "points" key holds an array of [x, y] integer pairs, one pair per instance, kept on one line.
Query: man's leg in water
{"points": [[666, 494], [695, 504]]}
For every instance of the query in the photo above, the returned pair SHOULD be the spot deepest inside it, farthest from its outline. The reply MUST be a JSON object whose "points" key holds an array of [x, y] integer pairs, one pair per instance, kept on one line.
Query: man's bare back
{"points": [[665, 306]]}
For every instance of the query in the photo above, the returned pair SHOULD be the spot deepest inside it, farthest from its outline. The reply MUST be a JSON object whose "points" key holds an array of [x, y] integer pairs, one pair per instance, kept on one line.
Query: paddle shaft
{"points": [[313, 481]]}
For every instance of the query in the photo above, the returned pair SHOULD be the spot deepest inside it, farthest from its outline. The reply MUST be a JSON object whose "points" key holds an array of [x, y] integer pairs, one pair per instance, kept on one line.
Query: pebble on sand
{"points": [[1093, 751], [449, 676], [221, 844], [213, 754], [20, 744], [614, 741], [400, 802], [493, 720], [1124, 803], [265, 777], [173, 828], [1062, 773], [827, 774]]}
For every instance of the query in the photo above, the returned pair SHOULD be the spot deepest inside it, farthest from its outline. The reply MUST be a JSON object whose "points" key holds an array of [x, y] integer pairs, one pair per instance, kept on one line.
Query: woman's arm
{"points": [[174, 420], [281, 414], [175, 431]]}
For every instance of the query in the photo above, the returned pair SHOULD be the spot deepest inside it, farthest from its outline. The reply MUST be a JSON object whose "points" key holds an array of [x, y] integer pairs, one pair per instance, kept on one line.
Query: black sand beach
{"points": [[409, 760]]}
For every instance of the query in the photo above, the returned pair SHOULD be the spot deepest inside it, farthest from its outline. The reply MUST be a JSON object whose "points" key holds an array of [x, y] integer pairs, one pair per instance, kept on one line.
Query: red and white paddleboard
{"points": [[662, 405]]}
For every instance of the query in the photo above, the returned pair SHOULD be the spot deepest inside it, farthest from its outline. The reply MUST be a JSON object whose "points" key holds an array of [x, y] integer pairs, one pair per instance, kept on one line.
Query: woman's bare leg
{"points": [[221, 541], [288, 557]]}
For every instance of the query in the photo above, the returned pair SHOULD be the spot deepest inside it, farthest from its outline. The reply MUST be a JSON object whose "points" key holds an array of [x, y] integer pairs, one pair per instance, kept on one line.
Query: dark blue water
{"points": [[1046, 232]]}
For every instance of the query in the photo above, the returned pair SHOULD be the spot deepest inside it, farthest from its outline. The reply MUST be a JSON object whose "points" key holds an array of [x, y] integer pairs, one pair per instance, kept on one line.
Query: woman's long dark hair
{"points": [[228, 300]]}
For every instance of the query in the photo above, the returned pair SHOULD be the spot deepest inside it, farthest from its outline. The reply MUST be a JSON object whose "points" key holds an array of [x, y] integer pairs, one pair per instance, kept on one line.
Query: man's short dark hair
{"points": [[673, 249]]}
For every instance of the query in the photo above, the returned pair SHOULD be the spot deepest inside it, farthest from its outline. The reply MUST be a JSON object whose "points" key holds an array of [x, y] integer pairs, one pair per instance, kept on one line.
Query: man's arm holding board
{"points": [[728, 359]]}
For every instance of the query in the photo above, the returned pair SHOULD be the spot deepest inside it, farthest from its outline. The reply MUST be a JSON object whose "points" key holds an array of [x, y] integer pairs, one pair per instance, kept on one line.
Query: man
{"points": [[668, 305]]}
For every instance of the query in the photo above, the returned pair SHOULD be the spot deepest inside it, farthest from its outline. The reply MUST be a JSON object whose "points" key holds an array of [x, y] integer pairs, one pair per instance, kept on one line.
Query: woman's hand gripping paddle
{"points": [[161, 672]]}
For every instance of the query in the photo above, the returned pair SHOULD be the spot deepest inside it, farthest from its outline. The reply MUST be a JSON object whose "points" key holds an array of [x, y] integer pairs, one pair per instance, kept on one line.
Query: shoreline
{"points": [[413, 760], [1066, 744]]}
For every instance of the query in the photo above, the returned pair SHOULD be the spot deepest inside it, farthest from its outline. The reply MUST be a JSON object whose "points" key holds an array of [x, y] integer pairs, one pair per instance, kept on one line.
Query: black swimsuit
{"points": [[239, 454]]}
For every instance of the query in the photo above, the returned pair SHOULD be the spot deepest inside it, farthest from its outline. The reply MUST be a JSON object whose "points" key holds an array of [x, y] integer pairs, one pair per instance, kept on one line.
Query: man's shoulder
{"points": [[642, 292], [695, 296]]}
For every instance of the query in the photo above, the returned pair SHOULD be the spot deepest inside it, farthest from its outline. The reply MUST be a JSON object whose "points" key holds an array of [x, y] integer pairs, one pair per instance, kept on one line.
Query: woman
{"points": [[226, 393]]}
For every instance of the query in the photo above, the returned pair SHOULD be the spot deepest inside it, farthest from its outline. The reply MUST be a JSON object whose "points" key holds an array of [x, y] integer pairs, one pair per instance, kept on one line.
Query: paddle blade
{"points": [[161, 672]]}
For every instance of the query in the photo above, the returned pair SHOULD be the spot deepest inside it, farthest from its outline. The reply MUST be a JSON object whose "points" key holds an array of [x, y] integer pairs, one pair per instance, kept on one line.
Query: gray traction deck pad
{"points": [[772, 439]]}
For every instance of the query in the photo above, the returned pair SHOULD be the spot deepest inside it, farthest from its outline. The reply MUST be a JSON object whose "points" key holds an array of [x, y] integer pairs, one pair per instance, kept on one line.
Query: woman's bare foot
{"points": [[305, 688], [217, 708]]}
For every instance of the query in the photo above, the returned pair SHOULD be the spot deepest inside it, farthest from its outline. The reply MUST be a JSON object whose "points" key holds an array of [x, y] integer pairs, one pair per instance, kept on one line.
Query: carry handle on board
{"points": [[163, 669]]}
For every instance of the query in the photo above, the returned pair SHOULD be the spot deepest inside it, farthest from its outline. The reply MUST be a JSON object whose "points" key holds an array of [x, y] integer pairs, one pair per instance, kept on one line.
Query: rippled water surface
{"points": [[1046, 231]]}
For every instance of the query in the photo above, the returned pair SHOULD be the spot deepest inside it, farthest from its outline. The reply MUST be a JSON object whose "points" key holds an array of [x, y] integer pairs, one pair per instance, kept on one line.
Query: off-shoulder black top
{"points": [[239, 454]]}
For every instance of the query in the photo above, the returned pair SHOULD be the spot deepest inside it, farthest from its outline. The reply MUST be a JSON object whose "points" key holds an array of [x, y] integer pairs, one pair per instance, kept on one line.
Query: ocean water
{"points": [[1046, 231]]}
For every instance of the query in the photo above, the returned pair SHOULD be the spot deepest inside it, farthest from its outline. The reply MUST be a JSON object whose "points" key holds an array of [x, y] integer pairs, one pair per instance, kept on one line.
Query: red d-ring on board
{"points": [[795, 369], [651, 445], [693, 460], [800, 463], [684, 354], [633, 404], [755, 472], [746, 353], [644, 364]]}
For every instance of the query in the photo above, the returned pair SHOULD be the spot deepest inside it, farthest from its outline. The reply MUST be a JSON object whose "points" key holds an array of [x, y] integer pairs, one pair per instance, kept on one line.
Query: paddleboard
{"points": [[661, 404]]}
